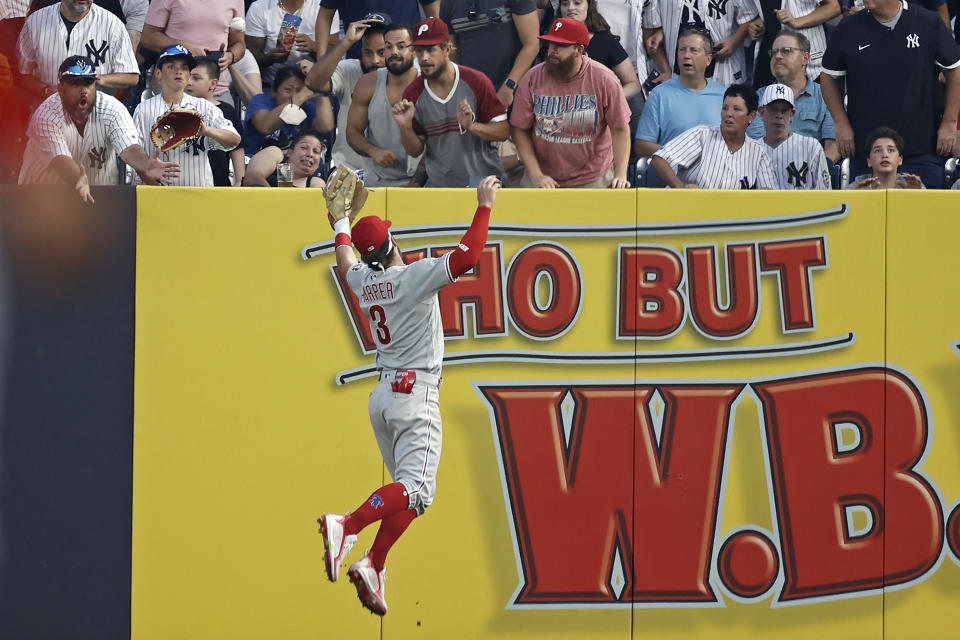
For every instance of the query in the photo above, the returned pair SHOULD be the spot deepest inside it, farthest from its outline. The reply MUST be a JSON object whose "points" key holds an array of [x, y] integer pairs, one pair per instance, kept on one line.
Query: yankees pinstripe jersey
{"points": [[721, 18], [13, 9], [100, 36], [192, 156], [404, 311], [109, 130], [701, 156], [816, 35], [799, 163]]}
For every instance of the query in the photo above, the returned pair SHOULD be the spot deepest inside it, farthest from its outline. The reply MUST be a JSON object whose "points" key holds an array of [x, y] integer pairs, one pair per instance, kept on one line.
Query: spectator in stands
{"points": [[277, 117], [304, 156], [203, 27], [408, 11], [451, 113], [203, 80], [77, 133], [788, 61], [798, 161], [73, 27], [727, 23], [806, 17], [265, 19], [371, 130], [885, 157], [571, 122], [685, 100], [888, 57], [720, 157], [604, 47], [333, 74], [497, 37]]}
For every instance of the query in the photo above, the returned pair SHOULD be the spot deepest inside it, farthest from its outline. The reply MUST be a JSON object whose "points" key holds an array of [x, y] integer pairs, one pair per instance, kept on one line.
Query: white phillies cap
{"points": [[776, 92]]}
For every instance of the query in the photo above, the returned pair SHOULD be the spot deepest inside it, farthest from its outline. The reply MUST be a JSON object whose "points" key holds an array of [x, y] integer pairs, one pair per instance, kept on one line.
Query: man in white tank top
{"points": [[400, 301], [371, 130]]}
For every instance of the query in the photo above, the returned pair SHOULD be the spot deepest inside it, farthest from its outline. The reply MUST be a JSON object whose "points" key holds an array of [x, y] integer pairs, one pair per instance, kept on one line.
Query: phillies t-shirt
{"points": [[569, 120]]}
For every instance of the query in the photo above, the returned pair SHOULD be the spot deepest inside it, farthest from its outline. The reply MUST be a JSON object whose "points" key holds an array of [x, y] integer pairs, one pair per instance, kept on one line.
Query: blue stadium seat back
{"points": [[835, 177], [646, 176]]}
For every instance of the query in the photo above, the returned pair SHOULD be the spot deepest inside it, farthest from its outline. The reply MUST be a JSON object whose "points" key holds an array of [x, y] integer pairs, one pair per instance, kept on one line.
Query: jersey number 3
{"points": [[380, 317]]}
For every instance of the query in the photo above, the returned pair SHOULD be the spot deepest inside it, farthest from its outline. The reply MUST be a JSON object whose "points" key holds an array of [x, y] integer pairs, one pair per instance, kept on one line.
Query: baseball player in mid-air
{"points": [[400, 301], [216, 133]]}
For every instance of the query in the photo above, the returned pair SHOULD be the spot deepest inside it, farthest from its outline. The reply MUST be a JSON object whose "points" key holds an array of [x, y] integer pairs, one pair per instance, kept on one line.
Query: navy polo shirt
{"points": [[891, 74]]}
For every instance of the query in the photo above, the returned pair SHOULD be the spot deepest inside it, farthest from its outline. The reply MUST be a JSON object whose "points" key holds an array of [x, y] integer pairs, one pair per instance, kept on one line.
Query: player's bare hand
{"points": [[487, 191], [356, 29], [723, 49], [618, 183], [403, 113], [909, 181], [543, 181], [383, 157], [869, 183], [465, 115], [756, 28], [653, 41], [946, 137], [83, 186], [844, 139], [304, 43]]}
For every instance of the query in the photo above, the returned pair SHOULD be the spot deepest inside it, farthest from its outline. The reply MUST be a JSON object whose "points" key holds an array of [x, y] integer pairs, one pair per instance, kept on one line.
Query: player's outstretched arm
{"points": [[465, 256]]}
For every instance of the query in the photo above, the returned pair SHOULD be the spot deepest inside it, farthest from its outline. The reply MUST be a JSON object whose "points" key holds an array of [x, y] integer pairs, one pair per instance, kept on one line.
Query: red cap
{"points": [[430, 32], [568, 31], [369, 234]]}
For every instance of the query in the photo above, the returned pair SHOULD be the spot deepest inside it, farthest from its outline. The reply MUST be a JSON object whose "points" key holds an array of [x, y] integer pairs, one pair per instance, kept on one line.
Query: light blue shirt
{"points": [[812, 118], [672, 108]]}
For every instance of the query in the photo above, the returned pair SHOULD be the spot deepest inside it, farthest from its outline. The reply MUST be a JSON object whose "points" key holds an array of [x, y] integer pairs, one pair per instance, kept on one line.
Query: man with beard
{"points": [[371, 129], [571, 122], [216, 132], [76, 134], [75, 27], [719, 157], [334, 74], [451, 113]]}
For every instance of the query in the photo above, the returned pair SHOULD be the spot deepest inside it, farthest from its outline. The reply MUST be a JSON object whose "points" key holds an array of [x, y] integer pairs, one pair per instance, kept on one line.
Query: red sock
{"points": [[390, 530], [382, 503]]}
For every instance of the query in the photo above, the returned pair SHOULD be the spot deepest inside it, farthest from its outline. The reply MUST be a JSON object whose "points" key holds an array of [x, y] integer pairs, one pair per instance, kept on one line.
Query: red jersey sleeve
{"points": [[412, 93], [489, 108]]}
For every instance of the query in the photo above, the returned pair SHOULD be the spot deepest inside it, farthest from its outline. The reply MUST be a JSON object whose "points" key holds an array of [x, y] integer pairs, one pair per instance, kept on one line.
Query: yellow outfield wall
{"points": [[666, 415]]}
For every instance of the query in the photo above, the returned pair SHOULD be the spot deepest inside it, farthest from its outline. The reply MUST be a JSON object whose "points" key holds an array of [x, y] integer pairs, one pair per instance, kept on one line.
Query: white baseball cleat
{"points": [[369, 584], [336, 546]]}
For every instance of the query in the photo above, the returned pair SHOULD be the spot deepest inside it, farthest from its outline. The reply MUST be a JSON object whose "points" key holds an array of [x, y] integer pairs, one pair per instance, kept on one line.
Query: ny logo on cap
{"points": [[423, 27], [780, 90]]}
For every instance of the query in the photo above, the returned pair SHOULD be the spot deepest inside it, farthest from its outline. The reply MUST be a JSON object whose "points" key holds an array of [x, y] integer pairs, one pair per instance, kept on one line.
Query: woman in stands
{"points": [[305, 157]]}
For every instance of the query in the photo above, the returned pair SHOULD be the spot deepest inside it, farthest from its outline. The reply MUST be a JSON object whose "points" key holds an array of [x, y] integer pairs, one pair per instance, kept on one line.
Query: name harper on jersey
{"points": [[378, 291]]}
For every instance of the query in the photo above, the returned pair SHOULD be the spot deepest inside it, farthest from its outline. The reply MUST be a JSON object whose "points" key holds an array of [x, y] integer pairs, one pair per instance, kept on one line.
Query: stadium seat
{"points": [[950, 172], [646, 176]]}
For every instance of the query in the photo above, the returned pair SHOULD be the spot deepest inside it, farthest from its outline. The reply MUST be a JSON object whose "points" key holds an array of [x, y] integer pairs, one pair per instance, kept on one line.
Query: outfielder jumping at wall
{"points": [[401, 303]]}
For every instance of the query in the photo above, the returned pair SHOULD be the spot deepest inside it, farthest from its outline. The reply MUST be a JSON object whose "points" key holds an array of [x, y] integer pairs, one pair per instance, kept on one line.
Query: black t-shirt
{"points": [[220, 160], [891, 75], [487, 39], [606, 49]]}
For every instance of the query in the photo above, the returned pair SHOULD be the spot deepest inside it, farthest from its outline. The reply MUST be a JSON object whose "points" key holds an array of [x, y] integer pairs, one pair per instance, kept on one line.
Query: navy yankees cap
{"points": [[176, 51], [77, 67]]}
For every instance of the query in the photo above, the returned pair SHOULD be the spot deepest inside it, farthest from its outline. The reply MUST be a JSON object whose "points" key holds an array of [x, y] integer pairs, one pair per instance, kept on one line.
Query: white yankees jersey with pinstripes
{"points": [[100, 36], [816, 35], [191, 156], [700, 155], [13, 8], [721, 18], [799, 163], [108, 131]]}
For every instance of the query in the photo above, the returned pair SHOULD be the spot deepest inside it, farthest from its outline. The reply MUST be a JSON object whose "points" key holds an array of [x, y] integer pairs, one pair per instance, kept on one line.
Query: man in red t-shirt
{"points": [[570, 120]]}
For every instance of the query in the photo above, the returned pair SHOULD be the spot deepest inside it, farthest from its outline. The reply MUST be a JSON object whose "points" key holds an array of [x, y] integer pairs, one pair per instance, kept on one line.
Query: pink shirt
{"points": [[569, 121], [202, 22]]}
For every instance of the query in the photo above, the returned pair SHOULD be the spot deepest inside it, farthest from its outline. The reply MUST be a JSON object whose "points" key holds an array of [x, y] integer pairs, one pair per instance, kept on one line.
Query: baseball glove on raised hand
{"points": [[345, 195], [176, 126]]}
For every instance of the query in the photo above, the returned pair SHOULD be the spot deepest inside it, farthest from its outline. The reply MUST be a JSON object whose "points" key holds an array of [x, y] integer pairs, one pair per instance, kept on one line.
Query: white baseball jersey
{"points": [[633, 38], [816, 35], [264, 18], [404, 311], [191, 156], [13, 9], [109, 130], [700, 155], [721, 18], [100, 36], [799, 163]]}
